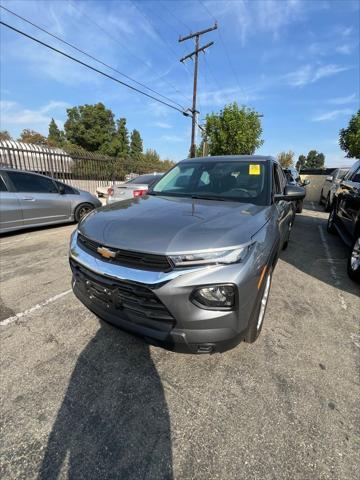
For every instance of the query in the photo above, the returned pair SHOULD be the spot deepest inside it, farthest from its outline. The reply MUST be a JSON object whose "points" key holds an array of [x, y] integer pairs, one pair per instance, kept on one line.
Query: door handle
{"points": [[29, 199]]}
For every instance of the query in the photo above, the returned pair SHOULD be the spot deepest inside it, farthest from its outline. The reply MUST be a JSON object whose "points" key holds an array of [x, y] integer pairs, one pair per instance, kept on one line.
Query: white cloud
{"points": [[216, 98], [344, 100], [332, 115], [14, 115], [161, 125], [310, 74], [345, 49], [173, 138]]}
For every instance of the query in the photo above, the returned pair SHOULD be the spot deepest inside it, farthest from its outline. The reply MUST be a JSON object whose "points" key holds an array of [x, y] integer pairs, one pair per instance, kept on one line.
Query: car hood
{"points": [[168, 225]]}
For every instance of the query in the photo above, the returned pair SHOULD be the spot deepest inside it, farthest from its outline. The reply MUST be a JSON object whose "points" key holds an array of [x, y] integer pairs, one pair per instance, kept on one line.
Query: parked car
{"points": [[30, 200], [344, 217], [293, 178], [135, 187], [188, 265], [330, 185]]}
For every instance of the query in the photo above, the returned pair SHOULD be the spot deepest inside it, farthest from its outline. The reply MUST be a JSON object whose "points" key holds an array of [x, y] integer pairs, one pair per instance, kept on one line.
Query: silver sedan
{"points": [[136, 187], [30, 200]]}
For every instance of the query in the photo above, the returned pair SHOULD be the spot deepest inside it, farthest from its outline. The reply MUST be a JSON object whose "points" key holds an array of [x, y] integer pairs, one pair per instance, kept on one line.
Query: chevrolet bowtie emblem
{"points": [[105, 252]]}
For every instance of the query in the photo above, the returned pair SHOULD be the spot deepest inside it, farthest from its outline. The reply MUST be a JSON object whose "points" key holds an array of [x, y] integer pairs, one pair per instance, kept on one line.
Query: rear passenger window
{"points": [[28, 183], [2, 186]]}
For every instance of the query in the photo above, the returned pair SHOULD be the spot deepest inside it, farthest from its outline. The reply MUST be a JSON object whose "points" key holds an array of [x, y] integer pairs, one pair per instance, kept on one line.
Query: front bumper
{"points": [[158, 306]]}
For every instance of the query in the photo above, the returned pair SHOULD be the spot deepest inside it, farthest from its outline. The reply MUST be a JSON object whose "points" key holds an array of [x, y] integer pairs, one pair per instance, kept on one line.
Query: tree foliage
{"points": [[5, 135], [136, 144], [30, 136], [56, 136], [349, 139], [313, 159], [300, 163], [286, 159], [233, 131], [90, 126]]}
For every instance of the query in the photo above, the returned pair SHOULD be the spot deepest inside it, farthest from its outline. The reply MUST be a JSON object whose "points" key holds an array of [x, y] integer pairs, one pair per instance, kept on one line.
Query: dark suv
{"points": [[344, 217]]}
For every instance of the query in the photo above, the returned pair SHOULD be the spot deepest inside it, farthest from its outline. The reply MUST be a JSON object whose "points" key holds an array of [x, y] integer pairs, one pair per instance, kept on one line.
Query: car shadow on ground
{"points": [[318, 253], [40, 228], [113, 421]]}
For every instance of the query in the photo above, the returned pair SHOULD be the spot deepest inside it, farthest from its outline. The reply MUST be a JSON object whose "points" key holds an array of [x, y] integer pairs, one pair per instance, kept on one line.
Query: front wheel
{"points": [[353, 266], [328, 203], [257, 320], [82, 210], [299, 206], [331, 221]]}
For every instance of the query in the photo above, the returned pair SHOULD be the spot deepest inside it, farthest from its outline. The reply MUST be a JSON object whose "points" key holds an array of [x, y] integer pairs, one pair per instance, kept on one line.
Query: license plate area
{"points": [[108, 297]]}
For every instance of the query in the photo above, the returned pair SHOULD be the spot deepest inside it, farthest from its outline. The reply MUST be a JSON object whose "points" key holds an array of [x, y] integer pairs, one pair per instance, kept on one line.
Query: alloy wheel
{"points": [[264, 301], [355, 256]]}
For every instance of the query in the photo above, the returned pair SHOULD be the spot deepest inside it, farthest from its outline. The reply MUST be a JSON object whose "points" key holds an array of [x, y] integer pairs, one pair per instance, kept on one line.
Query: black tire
{"points": [[353, 266], [331, 221], [327, 203], [255, 327], [81, 210], [299, 206]]}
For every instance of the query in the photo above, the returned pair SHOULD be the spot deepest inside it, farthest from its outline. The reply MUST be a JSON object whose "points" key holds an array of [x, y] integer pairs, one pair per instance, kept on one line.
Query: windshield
{"points": [[143, 179], [241, 181]]}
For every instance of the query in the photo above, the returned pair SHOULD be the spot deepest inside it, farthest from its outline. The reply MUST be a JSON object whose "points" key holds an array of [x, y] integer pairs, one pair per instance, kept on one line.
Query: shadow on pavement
{"points": [[308, 253], [113, 422]]}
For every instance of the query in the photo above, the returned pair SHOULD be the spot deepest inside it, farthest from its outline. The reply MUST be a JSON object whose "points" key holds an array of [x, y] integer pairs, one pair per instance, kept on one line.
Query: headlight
{"points": [[215, 296], [210, 258]]}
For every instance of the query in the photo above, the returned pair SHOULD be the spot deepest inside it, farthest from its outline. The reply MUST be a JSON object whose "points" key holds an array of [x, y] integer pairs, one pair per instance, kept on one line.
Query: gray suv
{"points": [[30, 200], [189, 265]]}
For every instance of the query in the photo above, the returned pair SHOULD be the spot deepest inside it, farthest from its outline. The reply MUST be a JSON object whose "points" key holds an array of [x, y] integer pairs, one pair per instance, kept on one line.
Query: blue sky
{"points": [[296, 62]]}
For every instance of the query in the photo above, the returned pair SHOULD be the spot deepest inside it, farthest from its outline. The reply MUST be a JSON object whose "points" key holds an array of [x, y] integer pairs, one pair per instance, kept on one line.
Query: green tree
{"points": [[313, 159], [286, 159], [90, 126], [233, 131], [5, 135], [55, 136], [349, 139], [30, 136], [301, 162], [118, 146], [136, 144]]}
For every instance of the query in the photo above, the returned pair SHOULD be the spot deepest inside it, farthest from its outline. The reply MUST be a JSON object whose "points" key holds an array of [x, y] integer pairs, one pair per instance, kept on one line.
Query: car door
{"points": [[283, 207], [10, 208], [39, 198], [349, 200]]}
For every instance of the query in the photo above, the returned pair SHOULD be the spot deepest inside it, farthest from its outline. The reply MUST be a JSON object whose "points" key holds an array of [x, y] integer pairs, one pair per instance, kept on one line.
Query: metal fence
{"points": [[77, 168]]}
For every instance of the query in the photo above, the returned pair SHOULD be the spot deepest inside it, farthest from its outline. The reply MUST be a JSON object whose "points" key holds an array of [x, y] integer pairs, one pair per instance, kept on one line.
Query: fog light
{"points": [[215, 296]]}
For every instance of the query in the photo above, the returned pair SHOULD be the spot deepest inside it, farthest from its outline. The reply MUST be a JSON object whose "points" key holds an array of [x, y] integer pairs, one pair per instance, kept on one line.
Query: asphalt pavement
{"points": [[84, 400]]}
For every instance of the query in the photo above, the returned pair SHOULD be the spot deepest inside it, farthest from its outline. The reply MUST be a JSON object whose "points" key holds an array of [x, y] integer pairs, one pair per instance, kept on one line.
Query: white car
{"points": [[133, 188]]}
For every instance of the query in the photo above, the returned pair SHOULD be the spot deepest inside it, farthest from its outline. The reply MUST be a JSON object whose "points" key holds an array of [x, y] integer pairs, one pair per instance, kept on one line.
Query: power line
{"points": [[114, 39], [223, 44], [93, 68], [90, 56], [164, 41]]}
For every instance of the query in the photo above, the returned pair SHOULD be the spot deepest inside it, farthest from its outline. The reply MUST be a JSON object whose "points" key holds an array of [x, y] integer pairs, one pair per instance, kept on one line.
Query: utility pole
{"points": [[195, 54]]}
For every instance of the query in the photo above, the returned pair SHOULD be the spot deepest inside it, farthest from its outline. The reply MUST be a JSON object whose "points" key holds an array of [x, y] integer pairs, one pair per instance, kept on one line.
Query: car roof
{"points": [[233, 158]]}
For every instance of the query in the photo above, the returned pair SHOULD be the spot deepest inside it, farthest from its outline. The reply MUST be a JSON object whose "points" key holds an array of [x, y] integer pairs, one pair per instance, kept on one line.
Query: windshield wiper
{"points": [[208, 197]]}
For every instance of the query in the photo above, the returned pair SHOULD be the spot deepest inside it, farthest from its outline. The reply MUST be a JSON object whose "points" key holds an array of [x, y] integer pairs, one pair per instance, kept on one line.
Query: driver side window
{"points": [[278, 186]]}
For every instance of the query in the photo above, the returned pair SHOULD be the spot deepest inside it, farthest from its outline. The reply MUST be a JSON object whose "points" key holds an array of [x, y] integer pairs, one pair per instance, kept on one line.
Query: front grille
{"points": [[140, 260], [135, 301]]}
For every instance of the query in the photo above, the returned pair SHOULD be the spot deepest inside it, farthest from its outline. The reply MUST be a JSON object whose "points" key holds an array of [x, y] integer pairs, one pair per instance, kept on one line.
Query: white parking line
{"points": [[332, 266], [12, 319]]}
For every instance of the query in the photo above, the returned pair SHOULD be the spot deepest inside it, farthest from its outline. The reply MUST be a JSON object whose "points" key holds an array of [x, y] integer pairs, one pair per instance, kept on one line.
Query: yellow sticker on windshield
{"points": [[254, 169]]}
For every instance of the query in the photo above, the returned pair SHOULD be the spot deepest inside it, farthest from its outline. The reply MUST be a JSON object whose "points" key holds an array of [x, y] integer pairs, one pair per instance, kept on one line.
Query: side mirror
{"points": [[305, 182], [329, 178], [291, 193], [61, 189]]}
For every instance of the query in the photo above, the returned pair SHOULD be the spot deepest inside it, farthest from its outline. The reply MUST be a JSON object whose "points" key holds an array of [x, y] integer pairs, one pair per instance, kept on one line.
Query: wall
{"points": [[313, 190]]}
